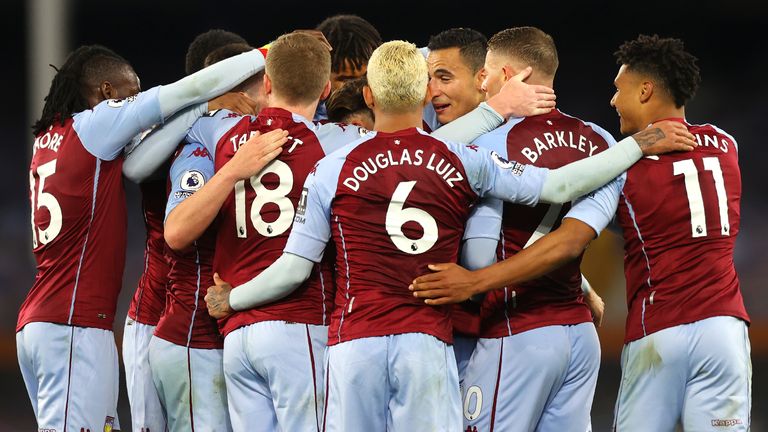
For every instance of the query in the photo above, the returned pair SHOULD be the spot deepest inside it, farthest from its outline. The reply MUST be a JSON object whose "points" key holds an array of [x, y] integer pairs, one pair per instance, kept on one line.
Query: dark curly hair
{"points": [[353, 40], [83, 68], [666, 60]]}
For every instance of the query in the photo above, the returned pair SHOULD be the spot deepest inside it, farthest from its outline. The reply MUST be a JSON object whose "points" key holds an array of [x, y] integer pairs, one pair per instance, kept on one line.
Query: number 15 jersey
{"points": [[256, 218]]}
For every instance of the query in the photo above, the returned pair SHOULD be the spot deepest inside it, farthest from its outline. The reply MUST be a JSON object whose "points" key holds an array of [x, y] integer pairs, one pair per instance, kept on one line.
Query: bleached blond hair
{"points": [[398, 77]]}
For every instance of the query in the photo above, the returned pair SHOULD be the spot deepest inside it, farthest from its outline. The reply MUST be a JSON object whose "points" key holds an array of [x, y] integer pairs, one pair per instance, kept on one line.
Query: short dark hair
{"points": [[226, 52], [664, 59], [471, 43], [84, 67], [529, 44], [232, 50], [352, 38], [204, 44], [347, 100]]}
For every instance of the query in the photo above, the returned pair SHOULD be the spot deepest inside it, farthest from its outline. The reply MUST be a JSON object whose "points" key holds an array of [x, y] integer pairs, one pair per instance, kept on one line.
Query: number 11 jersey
{"points": [[680, 217]]}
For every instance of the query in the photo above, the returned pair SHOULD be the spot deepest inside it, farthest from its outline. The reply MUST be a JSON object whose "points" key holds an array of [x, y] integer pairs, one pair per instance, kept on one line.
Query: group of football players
{"points": [[351, 235]]}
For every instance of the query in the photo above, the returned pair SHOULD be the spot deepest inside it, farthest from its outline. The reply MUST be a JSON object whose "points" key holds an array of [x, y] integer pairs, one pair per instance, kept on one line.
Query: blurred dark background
{"points": [[728, 37]]}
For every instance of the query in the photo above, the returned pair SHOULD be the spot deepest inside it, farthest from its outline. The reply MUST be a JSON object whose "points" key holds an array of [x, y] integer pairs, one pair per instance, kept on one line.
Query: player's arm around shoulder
{"points": [[189, 219], [110, 126]]}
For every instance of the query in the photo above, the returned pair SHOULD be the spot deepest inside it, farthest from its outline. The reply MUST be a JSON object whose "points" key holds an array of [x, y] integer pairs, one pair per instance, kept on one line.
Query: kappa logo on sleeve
{"points": [[362, 131], [192, 180]]}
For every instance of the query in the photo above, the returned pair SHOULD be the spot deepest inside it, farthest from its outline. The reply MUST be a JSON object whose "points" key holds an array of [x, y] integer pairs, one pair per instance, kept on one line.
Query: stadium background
{"points": [[728, 38]]}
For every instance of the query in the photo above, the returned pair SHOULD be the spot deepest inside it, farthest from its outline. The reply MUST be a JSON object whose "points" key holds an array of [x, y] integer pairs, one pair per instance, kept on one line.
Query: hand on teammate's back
{"points": [[518, 99], [217, 298], [596, 306], [665, 137], [450, 283], [233, 101], [255, 154]]}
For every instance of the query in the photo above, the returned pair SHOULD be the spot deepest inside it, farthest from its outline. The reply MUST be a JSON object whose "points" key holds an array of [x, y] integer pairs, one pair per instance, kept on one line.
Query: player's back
{"points": [[256, 219], [549, 141], [149, 298], [680, 216], [78, 229], [401, 202]]}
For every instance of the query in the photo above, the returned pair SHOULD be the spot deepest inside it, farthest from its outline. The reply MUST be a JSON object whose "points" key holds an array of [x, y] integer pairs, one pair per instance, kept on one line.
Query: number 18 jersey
{"points": [[256, 218], [680, 216]]}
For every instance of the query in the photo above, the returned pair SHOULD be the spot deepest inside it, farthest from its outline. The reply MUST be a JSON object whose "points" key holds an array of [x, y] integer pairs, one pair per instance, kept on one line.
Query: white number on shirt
{"points": [[695, 199], [547, 222], [263, 196], [397, 216], [46, 200]]}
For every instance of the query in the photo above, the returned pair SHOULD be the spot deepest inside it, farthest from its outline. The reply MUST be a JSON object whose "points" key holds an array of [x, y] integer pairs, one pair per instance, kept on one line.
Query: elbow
{"points": [[132, 173], [175, 238], [569, 250]]}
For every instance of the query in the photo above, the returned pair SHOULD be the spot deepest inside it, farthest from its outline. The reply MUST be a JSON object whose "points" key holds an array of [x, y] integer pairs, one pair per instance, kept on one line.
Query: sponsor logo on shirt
{"points": [[301, 208], [192, 180]]}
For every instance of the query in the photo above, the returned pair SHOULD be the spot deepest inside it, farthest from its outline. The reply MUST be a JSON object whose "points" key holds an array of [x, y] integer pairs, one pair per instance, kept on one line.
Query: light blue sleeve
{"points": [[106, 129], [478, 253], [211, 127], [485, 220], [334, 136], [597, 208], [190, 170], [143, 159], [312, 224], [491, 175]]}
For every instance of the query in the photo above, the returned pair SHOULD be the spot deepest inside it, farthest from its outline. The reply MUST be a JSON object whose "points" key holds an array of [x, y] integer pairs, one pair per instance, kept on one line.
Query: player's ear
{"points": [[107, 91], [480, 78], [646, 91], [368, 96], [326, 91], [509, 72], [267, 85]]}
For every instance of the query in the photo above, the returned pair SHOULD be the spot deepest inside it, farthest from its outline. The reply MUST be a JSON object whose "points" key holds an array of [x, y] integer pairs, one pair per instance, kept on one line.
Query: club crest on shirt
{"points": [[192, 180], [109, 424]]}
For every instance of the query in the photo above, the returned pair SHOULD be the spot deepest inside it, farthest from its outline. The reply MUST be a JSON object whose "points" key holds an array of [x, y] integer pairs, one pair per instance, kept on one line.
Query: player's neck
{"points": [[665, 112], [390, 122], [306, 111]]}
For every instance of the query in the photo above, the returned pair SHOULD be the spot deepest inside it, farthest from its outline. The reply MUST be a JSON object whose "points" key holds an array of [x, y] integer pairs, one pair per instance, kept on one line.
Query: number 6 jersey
{"points": [[255, 220], [394, 203]]}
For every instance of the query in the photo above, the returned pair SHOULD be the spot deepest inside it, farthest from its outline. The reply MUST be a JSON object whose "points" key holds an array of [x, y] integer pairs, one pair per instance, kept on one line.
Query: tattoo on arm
{"points": [[648, 137]]}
